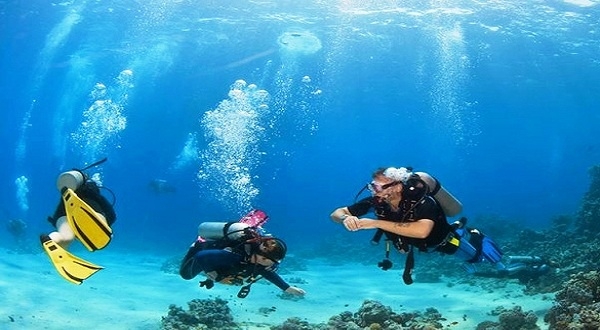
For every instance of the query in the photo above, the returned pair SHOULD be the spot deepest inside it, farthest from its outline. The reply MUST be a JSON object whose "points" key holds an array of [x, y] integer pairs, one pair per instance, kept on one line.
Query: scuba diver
{"points": [[82, 213], [236, 252], [411, 209]]}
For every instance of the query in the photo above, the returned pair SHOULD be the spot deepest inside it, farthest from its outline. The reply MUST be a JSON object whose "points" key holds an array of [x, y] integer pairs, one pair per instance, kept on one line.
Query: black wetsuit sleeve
{"points": [[274, 278], [361, 207]]}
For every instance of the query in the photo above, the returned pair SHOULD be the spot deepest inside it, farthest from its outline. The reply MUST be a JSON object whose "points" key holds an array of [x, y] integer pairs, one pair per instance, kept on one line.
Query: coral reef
{"points": [[372, 312], [571, 245], [201, 314], [295, 323], [587, 223], [372, 315], [577, 305], [509, 319]]}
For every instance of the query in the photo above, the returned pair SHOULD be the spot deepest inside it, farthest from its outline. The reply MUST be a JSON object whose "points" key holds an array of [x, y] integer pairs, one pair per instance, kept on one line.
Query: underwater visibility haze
{"points": [[207, 109], [289, 107]]}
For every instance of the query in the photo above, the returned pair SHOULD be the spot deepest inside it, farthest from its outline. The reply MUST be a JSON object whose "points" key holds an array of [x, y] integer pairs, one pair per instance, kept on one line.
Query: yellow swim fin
{"points": [[70, 267], [91, 230]]}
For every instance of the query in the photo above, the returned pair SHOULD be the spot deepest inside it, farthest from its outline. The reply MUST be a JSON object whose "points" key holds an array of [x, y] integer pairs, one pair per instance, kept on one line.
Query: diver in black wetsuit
{"points": [[230, 261], [409, 213]]}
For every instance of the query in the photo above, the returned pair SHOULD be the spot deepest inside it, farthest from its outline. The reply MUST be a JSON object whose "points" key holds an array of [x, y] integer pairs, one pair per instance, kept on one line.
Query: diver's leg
{"points": [[528, 260], [531, 266], [475, 247], [63, 235], [186, 271]]}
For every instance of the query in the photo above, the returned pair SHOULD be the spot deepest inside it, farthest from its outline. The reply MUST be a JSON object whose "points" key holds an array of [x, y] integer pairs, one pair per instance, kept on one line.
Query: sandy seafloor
{"points": [[133, 293]]}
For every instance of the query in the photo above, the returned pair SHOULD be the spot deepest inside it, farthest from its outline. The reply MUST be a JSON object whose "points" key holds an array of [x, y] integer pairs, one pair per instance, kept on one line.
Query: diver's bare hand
{"points": [[351, 223], [295, 291]]}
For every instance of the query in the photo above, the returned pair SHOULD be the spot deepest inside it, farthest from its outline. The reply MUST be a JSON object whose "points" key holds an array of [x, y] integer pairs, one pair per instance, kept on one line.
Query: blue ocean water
{"points": [[288, 106]]}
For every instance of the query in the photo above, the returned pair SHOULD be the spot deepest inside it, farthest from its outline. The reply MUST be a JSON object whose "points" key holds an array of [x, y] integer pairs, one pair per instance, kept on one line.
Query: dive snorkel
{"points": [[114, 197], [76, 177], [94, 164]]}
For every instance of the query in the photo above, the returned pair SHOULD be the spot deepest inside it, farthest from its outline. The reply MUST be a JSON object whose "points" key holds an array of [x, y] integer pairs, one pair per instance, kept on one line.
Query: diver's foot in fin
{"points": [[526, 273], [528, 260], [89, 226], [70, 267]]}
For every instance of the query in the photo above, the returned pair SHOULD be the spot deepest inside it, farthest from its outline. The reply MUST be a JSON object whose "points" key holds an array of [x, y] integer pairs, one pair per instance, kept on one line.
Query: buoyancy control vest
{"points": [[415, 191]]}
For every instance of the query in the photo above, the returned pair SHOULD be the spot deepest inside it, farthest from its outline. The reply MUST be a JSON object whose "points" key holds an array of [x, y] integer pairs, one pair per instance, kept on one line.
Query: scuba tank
{"points": [[450, 204], [70, 179], [218, 230], [74, 178]]}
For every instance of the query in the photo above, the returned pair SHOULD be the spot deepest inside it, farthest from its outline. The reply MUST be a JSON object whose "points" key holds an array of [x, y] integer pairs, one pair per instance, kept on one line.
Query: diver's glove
{"points": [[208, 283], [385, 264]]}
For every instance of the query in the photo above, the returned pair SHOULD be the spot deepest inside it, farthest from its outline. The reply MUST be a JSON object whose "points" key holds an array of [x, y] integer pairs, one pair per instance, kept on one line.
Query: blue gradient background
{"points": [[497, 99]]}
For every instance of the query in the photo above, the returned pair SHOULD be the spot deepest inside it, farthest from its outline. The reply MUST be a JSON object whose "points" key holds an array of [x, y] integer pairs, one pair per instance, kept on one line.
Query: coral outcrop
{"points": [[372, 315], [577, 305], [509, 319], [201, 314], [588, 217]]}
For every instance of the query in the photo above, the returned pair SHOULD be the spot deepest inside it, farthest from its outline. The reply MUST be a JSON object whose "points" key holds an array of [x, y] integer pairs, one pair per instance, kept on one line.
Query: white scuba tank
{"points": [[218, 230], [450, 204], [70, 179]]}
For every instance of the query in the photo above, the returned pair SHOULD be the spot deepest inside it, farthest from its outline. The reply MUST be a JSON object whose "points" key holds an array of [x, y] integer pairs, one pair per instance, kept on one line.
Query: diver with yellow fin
{"points": [[82, 213]]}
